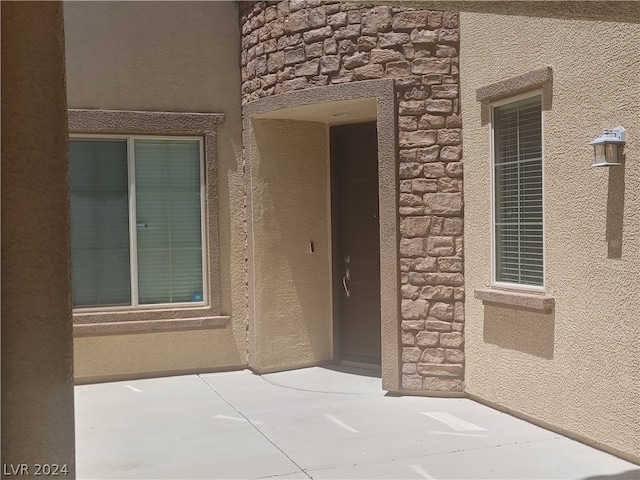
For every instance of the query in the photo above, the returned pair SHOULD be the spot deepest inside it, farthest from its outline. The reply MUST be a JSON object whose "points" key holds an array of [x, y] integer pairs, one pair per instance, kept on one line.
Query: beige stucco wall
{"points": [[577, 368], [37, 363], [291, 295], [168, 56]]}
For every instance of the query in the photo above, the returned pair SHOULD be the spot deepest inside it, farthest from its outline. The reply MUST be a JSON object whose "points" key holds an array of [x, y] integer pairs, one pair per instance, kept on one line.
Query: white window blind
{"points": [[518, 212], [136, 218]]}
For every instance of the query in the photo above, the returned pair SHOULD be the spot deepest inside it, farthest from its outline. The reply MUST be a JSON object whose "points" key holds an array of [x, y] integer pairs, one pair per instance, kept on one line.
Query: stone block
{"points": [[444, 91], [458, 293], [330, 46], [450, 264], [453, 356], [411, 354], [354, 16], [431, 122], [454, 169], [414, 309], [434, 325], [385, 55], [308, 68], [409, 368], [420, 37], [443, 203], [368, 72], [337, 19], [404, 81], [458, 312], [430, 65], [433, 355], [416, 226], [294, 56], [439, 292], [448, 36], [446, 51], [436, 226], [410, 200], [441, 311], [367, 43], [347, 46], [443, 106], [451, 153], [449, 136], [452, 226], [454, 121], [449, 185], [424, 264], [407, 123], [407, 211], [427, 339], [398, 69], [350, 31], [434, 170], [297, 21], [411, 107], [419, 138], [329, 64], [424, 185], [313, 50], [412, 247], [435, 19], [408, 339], [416, 278], [416, 93], [451, 279], [408, 155], [405, 264], [375, 20], [317, 17], [319, 80], [414, 325], [457, 327], [317, 34], [295, 5], [428, 154], [411, 292], [410, 170], [440, 246], [437, 370], [386, 40], [449, 19], [357, 59], [452, 340], [275, 62], [412, 382], [410, 19], [437, 384]]}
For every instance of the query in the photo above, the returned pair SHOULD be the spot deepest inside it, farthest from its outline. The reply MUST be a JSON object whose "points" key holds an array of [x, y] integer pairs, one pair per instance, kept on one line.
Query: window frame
{"points": [[133, 233], [492, 144], [148, 318]]}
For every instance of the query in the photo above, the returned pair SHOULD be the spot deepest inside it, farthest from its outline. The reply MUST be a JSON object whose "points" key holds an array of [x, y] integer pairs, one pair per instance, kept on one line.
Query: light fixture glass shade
{"points": [[605, 147]]}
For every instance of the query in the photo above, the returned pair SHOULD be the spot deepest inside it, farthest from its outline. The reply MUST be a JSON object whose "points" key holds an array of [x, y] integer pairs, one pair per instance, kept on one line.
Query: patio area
{"points": [[320, 423]]}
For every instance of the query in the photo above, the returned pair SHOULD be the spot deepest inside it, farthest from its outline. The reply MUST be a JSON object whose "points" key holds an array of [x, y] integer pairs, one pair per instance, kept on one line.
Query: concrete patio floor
{"points": [[312, 423]]}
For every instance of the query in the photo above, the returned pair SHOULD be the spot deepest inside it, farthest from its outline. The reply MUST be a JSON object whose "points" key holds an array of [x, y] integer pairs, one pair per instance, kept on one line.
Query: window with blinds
{"points": [[136, 221], [518, 216]]}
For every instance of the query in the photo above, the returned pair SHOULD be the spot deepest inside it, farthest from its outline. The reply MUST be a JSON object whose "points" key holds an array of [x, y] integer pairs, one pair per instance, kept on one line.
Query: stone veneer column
{"points": [[37, 346], [298, 44]]}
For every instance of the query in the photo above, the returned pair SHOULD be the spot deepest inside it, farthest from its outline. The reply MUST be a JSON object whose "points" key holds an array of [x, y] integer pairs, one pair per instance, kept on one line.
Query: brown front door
{"points": [[356, 241]]}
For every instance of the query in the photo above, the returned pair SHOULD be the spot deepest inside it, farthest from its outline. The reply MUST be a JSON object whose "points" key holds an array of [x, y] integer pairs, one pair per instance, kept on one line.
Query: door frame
{"points": [[295, 105]]}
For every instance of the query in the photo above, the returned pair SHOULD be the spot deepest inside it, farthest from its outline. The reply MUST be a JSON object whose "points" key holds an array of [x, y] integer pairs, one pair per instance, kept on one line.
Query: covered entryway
{"points": [[297, 144], [356, 242]]}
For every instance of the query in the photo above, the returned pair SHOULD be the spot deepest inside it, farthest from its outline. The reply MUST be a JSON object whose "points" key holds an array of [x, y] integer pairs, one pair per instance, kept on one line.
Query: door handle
{"points": [[347, 292]]}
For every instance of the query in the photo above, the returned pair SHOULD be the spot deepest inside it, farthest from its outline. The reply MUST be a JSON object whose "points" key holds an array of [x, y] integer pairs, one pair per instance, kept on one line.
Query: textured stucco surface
{"points": [[576, 368], [138, 56], [37, 366], [292, 321], [153, 354]]}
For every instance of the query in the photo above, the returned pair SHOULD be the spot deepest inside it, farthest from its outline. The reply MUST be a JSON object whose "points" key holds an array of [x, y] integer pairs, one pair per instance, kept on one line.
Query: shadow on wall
{"points": [[524, 330], [615, 211], [628, 475]]}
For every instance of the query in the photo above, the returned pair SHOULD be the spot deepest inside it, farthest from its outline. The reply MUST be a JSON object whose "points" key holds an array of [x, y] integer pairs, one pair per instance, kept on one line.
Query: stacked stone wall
{"points": [[298, 44]]}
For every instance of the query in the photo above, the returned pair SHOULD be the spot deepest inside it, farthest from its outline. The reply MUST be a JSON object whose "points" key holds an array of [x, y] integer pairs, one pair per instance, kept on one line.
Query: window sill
{"points": [[512, 298], [149, 326]]}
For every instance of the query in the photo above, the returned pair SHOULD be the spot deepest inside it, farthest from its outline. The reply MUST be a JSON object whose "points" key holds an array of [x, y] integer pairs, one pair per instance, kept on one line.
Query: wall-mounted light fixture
{"points": [[606, 147]]}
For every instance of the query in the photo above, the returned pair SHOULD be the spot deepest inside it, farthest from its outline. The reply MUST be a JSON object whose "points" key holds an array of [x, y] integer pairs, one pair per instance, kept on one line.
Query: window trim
{"points": [[492, 106], [172, 124], [133, 234]]}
